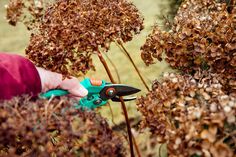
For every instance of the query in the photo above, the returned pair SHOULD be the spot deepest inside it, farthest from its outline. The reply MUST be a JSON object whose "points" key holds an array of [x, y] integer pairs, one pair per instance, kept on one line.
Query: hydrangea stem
{"points": [[136, 147], [122, 103], [131, 60], [115, 68]]}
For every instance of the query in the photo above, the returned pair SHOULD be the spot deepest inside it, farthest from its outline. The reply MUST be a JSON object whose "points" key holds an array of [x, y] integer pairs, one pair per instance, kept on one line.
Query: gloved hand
{"points": [[53, 80]]}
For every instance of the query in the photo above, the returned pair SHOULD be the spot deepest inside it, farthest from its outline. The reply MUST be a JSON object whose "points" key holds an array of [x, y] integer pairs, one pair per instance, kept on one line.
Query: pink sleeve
{"points": [[17, 76]]}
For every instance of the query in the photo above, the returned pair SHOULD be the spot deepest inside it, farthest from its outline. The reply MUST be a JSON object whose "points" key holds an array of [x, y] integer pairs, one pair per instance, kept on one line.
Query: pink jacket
{"points": [[17, 76]]}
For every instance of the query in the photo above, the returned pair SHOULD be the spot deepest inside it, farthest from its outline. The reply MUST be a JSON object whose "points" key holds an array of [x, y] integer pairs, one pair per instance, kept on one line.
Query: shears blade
{"points": [[124, 90], [117, 99], [114, 91]]}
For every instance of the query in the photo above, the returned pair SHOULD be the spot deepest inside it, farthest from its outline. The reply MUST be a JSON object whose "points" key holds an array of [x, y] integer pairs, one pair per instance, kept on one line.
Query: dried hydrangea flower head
{"points": [[72, 30], [192, 114], [27, 11], [202, 36], [55, 128]]}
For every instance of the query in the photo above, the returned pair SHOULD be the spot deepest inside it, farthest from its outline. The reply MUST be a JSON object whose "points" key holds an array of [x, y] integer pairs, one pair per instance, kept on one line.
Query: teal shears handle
{"points": [[91, 101], [54, 92]]}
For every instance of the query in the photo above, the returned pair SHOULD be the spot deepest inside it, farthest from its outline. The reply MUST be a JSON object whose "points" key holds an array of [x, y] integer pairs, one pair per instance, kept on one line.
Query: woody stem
{"points": [[131, 60], [102, 60], [136, 147], [115, 68]]}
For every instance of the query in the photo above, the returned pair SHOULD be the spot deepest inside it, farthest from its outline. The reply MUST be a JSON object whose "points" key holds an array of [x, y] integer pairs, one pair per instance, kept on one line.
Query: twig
{"points": [[136, 147], [131, 60], [122, 103], [113, 65], [46, 107], [16, 109], [102, 60], [55, 108], [112, 115], [128, 126], [118, 77]]}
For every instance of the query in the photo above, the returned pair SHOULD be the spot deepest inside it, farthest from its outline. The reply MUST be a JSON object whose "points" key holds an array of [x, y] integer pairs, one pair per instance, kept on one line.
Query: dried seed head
{"points": [[43, 128], [203, 117], [71, 30], [203, 36], [66, 32], [27, 11], [14, 11]]}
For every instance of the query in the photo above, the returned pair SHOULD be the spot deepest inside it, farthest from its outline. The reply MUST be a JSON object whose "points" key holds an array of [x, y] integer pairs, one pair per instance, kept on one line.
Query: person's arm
{"points": [[19, 76]]}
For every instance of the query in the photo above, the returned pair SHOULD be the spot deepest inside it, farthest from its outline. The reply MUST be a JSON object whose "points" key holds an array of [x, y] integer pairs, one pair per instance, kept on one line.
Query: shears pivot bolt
{"points": [[111, 92]]}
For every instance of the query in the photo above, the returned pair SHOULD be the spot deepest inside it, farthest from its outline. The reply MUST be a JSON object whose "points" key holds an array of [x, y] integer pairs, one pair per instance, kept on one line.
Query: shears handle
{"points": [[91, 101], [54, 92]]}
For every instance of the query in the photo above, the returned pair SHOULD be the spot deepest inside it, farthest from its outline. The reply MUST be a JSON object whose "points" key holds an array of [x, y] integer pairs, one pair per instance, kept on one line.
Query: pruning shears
{"points": [[99, 92]]}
